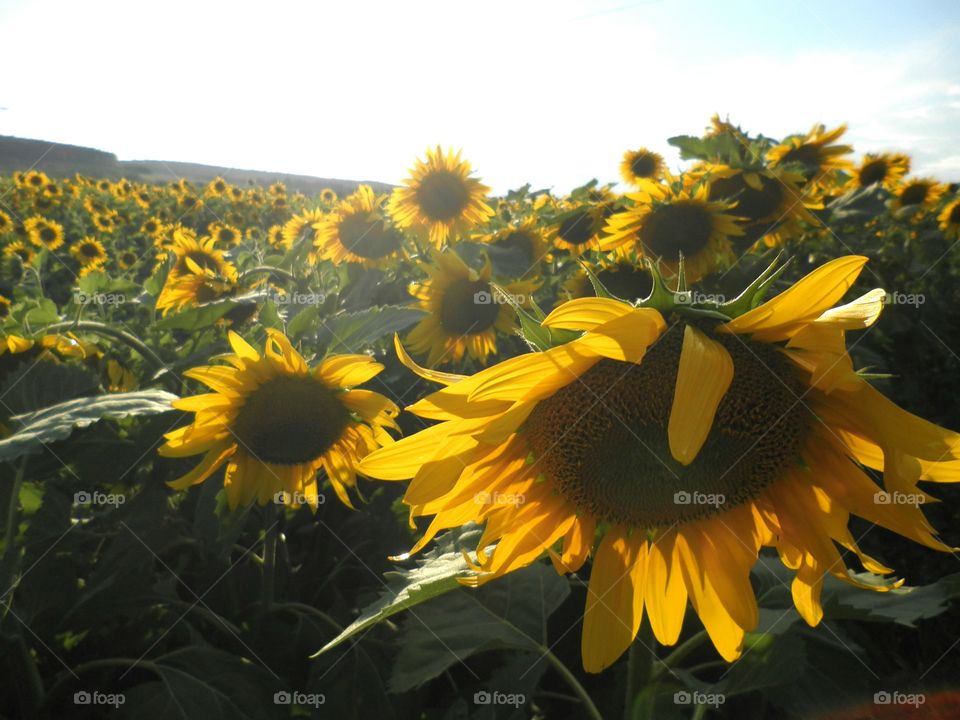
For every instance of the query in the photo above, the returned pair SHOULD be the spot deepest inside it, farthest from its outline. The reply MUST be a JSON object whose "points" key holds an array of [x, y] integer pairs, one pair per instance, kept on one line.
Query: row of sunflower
{"points": [[651, 391]]}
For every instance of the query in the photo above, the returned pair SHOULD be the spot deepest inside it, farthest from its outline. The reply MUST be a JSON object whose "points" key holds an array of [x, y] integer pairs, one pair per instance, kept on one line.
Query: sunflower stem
{"points": [[571, 680], [640, 660], [105, 330], [271, 522], [10, 532], [684, 649], [270, 269]]}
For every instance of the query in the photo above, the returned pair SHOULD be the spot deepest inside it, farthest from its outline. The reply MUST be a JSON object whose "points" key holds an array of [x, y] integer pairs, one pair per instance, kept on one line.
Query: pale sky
{"points": [[550, 92]]}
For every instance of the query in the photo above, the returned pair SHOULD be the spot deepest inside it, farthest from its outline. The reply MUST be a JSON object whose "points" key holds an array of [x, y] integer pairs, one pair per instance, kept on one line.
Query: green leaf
{"points": [[41, 383], [351, 332], [510, 612], [202, 316], [435, 575], [57, 422]]}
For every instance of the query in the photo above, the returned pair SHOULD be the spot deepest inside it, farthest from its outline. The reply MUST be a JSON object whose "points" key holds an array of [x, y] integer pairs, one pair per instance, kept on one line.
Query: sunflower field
{"points": [[680, 447]]}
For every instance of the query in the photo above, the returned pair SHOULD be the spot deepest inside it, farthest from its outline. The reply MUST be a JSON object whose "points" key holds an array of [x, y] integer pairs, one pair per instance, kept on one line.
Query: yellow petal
{"points": [[779, 318], [586, 313], [705, 374], [211, 461], [614, 599], [432, 375], [242, 348], [348, 370], [857, 314], [625, 338]]}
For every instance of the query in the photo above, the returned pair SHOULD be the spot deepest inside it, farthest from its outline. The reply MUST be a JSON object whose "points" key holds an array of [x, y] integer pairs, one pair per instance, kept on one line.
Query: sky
{"points": [[546, 92]]}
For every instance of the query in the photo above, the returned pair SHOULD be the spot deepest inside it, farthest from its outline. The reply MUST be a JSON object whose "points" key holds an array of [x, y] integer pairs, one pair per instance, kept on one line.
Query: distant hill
{"points": [[59, 160]]}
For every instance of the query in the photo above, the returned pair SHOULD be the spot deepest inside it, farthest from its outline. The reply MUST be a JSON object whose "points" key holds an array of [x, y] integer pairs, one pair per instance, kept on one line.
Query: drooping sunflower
{"points": [[884, 168], [688, 443], [275, 423], [667, 221], [465, 312], [89, 251], [641, 164], [950, 220], [622, 276], [524, 240], [43, 232], [815, 154], [18, 248], [440, 198], [358, 231], [917, 194], [580, 228]]}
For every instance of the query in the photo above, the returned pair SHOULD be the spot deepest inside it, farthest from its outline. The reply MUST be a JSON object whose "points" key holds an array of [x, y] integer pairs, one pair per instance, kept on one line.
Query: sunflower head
{"points": [[18, 248], [666, 223], [275, 423], [464, 311], [224, 235], [302, 225], [885, 169], [328, 196], [950, 220], [6, 224], [43, 232], [89, 251], [816, 154], [671, 447], [440, 198], [202, 253], [917, 194], [640, 165], [358, 231]]}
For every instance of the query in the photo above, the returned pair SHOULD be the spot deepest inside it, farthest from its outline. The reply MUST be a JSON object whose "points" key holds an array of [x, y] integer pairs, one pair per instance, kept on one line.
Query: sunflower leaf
{"points": [[37, 429], [351, 332], [435, 575]]}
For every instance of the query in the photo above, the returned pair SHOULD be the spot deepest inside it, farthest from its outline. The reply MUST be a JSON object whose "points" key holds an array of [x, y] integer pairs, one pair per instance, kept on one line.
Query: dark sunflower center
{"points": [[468, 307], [627, 283], [873, 172], [368, 239], [290, 420], [955, 214], [577, 229], [128, 258], [805, 154], [89, 250], [914, 194], [678, 227], [36, 181], [48, 234], [643, 166], [150, 227], [751, 203], [518, 241], [442, 195], [602, 440], [227, 236]]}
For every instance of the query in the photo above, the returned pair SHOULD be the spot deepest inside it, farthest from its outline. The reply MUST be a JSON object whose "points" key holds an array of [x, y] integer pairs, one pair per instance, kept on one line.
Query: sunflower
{"points": [[200, 252], [225, 235], [143, 198], [641, 164], [815, 153], [524, 240], [917, 194], [622, 277], [43, 232], [5, 304], [278, 189], [194, 287], [579, 229], [328, 196], [190, 202], [465, 312], [440, 198], [216, 188], [104, 222], [127, 259], [254, 234], [688, 444], [152, 227], [34, 180], [358, 231], [275, 423], [275, 237], [950, 220], [302, 224], [6, 223], [667, 222], [883, 168], [89, 251], [21, 250]]}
